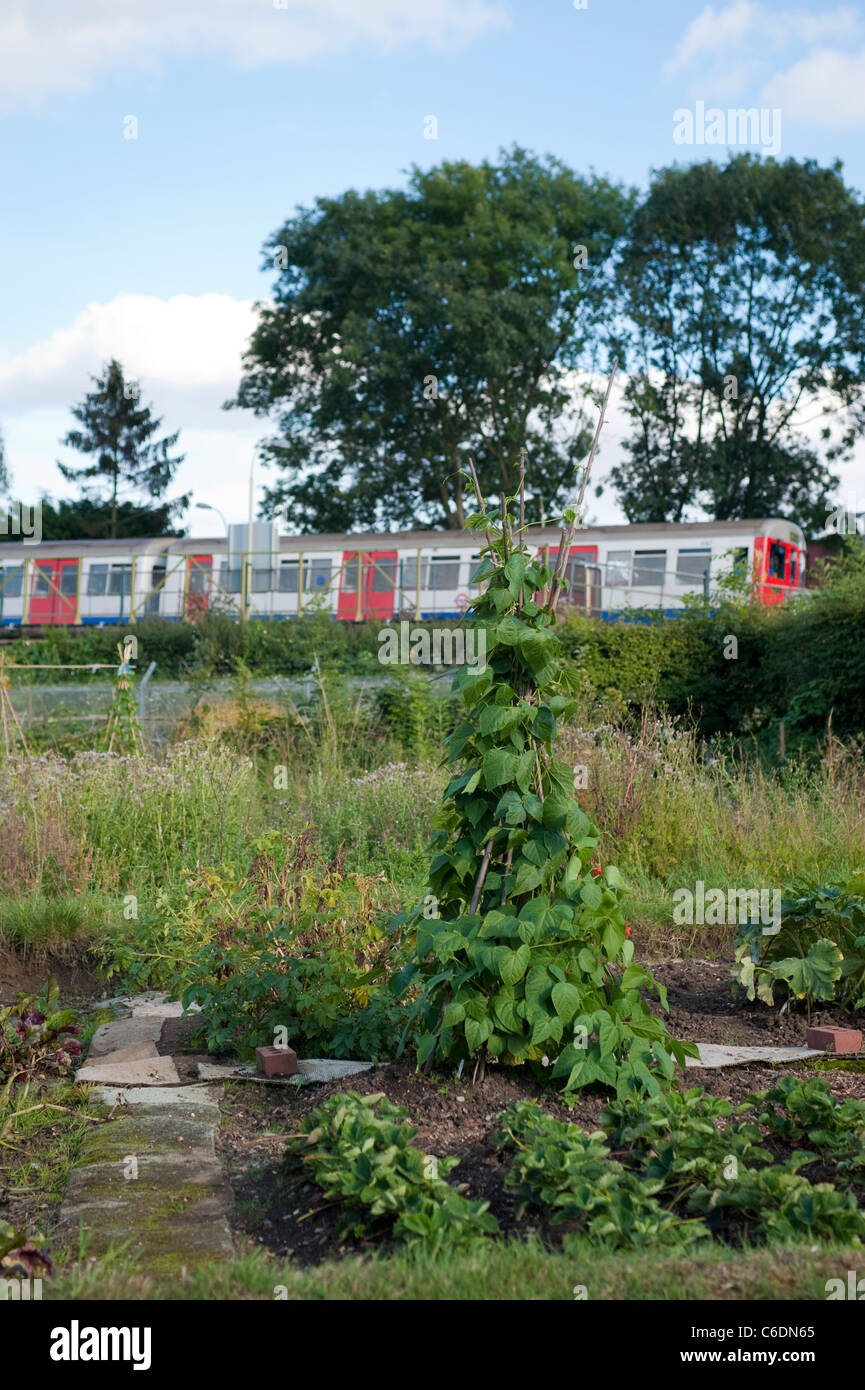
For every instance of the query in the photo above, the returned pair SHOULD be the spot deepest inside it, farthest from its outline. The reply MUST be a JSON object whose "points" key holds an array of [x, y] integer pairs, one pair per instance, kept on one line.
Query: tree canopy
{"points": [[118, 431], [410, 329], [83, 518], [741, 303]]}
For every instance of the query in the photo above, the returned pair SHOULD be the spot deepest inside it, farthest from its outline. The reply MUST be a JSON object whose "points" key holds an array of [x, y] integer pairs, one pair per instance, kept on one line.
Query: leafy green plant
{"points": [[807, 1111], [289, 940], [528, 959], [372, 1032], [248, 989], [359, 1151], [558, 1166], [778, 1205], [818, 953], [36, 1038], [675, 1139]]}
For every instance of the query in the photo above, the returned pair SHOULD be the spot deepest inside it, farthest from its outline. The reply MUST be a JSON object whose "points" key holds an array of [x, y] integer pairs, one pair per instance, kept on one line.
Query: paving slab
{"points": [[197, 1101], [715, 1055], [136, 1052], [157, 1071], [327, 1069], [318, 1069], [158, 1006], [124, 1032], [169, 1207]]}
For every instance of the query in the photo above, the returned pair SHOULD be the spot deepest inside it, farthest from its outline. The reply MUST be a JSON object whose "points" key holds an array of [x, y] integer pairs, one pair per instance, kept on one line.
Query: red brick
{"points": [[276, 1061], [834, 1039]]}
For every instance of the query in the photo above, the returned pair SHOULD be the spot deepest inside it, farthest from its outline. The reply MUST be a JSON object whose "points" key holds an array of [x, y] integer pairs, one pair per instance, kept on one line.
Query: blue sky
{"points": [[148, 248]]}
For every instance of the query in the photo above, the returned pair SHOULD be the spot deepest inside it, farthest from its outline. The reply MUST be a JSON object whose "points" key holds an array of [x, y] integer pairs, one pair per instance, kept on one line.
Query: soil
{"points": [[703, 1008], [78, 982], [278, 1209], [176, 1041]]}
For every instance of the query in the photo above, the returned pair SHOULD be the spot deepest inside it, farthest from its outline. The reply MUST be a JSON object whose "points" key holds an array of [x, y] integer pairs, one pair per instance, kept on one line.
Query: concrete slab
{"points": [[314, 1069], [224, 1071], [196, 1101], [327, 1069], [150, 1134], [159, 1006], [715, 1055], [157, 1071], [173, 1215], [137, 1052], [124, 1032], [169, 1208]]}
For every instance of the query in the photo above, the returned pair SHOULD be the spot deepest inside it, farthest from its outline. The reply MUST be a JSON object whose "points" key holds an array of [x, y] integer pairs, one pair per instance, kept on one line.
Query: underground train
{"points": [[256, 572]]}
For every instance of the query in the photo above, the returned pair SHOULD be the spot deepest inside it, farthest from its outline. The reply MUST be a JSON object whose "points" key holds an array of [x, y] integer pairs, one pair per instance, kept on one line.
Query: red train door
{"points": [[580, 577], [198, 572], [54, 595], [775, 568], [377, 585]]}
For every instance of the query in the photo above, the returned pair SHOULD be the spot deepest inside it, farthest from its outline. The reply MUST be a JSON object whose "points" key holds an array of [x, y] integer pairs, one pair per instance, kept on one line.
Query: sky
{"points": [[148, 151]]}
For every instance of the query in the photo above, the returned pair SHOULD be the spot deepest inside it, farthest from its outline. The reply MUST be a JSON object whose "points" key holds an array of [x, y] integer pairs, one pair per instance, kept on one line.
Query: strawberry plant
{"points": [[818, 952], [529, 959], [358, 1150], [674, 1137], [36, 1038], [806, 1111], [559, 1167], [777, 1205]]}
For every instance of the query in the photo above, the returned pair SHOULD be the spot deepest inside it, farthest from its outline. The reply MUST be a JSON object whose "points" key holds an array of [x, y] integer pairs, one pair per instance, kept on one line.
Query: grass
{"points": [[523, 1270], [78, 836], [42, 1127]]}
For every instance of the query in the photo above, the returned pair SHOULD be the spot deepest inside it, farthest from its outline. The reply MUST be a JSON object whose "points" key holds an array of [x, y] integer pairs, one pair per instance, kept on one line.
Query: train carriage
{"points": [[418, 574]]}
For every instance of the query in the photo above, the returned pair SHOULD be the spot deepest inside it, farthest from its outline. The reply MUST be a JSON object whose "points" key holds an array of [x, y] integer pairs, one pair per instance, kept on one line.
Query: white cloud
{"points": [[186, 351], [782, 57], [187, 348], [826, 88], [46, 50]]}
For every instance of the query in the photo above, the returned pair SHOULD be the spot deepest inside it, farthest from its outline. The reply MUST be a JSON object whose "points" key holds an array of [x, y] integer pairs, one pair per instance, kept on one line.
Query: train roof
{"points": [[412, 540], [546, 535]]}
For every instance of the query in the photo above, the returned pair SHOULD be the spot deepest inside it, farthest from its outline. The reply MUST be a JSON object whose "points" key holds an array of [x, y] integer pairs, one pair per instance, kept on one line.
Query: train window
{"points": [[794, 555], [69, 580], [442, 572], [120, 579], [157, 580], [649, 568], [41, 582], [740, 560], [262, 580], [230, 578], [384, 575], [777, 559], [692, 565], [97, 580], [316, 574], [10, 582], [198, 579], [349, 575], [618, 568], [288, 577]]}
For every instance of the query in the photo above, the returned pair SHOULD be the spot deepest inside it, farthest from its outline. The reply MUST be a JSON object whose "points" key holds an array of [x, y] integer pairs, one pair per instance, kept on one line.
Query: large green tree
{"points": [[742, 298], [119, 433], [83, 518], [411, 328]]}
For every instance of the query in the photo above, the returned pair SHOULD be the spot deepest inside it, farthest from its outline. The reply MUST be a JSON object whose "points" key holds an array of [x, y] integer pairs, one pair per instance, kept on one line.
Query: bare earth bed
{"points": [[283, 1213]]}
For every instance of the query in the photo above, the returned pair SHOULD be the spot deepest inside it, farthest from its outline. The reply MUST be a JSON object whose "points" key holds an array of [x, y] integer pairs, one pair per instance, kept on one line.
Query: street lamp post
{"points": [[209, 507]]}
